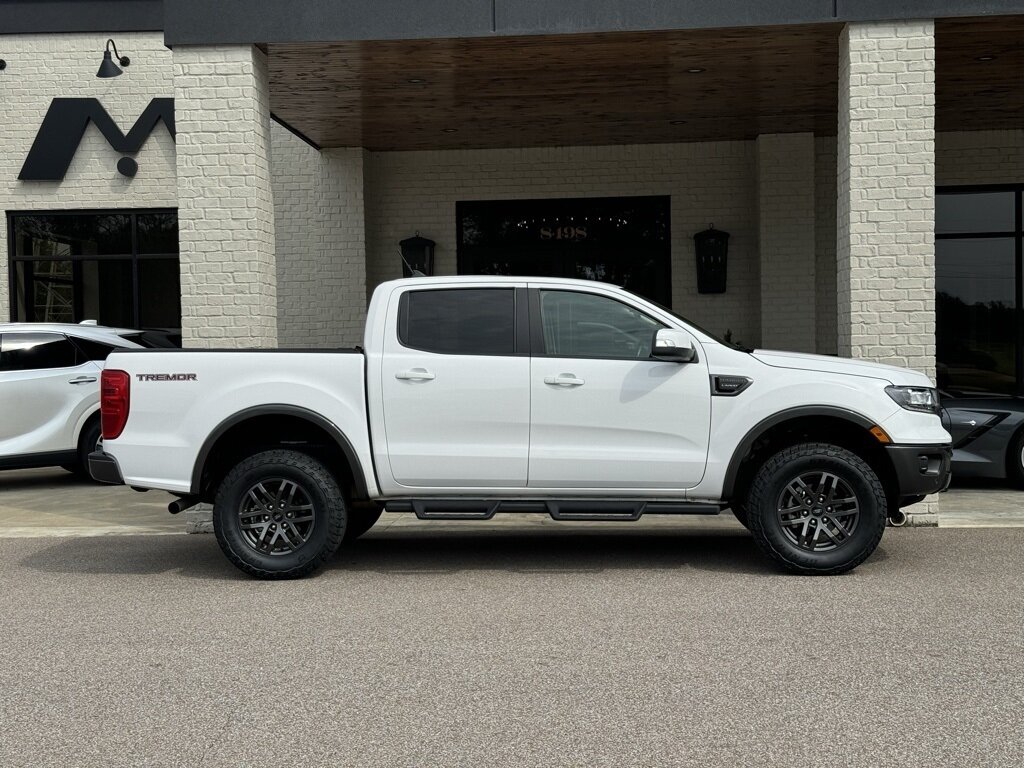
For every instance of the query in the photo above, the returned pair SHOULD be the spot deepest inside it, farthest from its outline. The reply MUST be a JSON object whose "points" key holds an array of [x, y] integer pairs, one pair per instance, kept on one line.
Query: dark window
{"points": [[155, 339], [586, 325], [459, 321], [34, 351], [92, 350], [118, 268], [619, 240], [979, 322]]}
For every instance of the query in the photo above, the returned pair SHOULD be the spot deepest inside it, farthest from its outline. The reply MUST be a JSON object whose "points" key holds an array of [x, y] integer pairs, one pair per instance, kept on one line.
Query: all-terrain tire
{"points": [[361, 518], [769, 488], [317, 488]]}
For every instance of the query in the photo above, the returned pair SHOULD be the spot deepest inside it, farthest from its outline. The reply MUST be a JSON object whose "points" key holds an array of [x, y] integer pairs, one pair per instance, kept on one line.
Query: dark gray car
{"points": [[988, 435]]}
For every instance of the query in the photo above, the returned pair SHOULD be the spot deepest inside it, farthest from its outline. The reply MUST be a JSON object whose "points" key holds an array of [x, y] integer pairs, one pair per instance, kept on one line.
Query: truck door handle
{"points": [[564, 380], [415, 374], [82, 380]]}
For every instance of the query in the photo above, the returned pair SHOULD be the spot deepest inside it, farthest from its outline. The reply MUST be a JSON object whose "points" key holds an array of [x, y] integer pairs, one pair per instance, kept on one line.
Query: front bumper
{"points": [[104, 468], [921, 469]]}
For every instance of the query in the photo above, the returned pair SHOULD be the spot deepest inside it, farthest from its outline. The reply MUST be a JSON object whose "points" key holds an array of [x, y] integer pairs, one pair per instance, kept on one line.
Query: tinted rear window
{"points": [[155, 339], [459, 321], [92, 350]]}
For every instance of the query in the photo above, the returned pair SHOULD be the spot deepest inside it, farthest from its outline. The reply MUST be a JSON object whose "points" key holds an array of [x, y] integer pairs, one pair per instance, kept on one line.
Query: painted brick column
{"points": [[885, 250], [320, 228], [786, 222], [343, 240], [225, 204], [886, 203]]}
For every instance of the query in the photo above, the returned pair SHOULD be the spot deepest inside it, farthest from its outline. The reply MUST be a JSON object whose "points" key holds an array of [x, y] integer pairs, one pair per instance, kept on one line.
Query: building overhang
{"points": [[200, 22], [616, 88]]}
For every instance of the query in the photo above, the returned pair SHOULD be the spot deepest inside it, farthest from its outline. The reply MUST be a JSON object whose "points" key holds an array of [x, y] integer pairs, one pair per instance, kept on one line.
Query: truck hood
{"points": [[843, 365]]}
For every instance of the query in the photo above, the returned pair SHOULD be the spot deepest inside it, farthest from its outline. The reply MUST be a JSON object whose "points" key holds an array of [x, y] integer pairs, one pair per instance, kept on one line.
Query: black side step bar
{"points": [[463, 508]]}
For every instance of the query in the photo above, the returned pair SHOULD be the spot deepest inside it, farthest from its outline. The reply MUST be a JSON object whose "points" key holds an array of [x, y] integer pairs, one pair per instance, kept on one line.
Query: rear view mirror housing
{"points": [[672, 346]]}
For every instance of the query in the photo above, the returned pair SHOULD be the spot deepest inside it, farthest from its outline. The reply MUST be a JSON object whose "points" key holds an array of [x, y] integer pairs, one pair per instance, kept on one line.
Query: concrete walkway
{"points": [[52, 502], [980, 504]]}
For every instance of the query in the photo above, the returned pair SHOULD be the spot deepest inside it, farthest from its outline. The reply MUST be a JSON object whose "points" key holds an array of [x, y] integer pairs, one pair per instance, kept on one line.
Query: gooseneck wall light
{"points": [[107, 67]]}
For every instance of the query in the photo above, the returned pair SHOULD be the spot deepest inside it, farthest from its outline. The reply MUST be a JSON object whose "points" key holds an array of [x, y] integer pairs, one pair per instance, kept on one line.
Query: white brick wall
{"points": [[708, 182], [321, 246], [226, 206], [343, 243], [886, 207], [825, 244], [786, 221], [296, 176], [42, 67]]}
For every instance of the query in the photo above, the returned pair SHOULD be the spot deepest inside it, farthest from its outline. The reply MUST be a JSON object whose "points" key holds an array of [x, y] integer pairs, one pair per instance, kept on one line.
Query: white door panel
{"points": [[468, 424], [629, 424], [604, 413], [42, 407], [454, 420]]}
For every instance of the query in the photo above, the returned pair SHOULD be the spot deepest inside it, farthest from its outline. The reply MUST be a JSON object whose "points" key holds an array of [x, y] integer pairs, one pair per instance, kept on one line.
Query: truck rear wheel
{"points": [[817, 508], [279, 515]]}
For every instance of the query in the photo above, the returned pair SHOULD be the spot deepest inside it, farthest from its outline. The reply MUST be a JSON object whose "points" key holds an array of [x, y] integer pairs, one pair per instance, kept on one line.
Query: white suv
{"points": [[49, 387]]}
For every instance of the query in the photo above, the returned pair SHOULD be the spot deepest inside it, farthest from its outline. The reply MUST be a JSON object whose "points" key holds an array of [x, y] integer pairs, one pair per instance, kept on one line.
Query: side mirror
{"points": [[672, 346]]}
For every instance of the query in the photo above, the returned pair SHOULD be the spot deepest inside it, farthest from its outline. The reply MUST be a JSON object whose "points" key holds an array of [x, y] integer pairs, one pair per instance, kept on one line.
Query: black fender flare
{"points": [[281, 409], [803, 411]]}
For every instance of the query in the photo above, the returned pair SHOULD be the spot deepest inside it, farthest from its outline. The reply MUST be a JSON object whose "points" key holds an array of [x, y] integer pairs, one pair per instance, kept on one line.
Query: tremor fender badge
{"points": [[166, 376]]}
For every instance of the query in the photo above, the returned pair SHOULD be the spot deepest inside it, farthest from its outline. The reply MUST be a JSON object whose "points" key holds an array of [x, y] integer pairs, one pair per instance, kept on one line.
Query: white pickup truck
{"points": [[478, 395]]}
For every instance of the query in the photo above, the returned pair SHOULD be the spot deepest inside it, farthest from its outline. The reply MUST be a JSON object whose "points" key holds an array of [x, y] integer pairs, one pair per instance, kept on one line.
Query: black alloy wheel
{"points": [[276, 516], [818, 511]]}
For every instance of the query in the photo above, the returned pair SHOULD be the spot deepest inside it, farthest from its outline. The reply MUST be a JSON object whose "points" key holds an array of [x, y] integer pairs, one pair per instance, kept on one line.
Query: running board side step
{"points": [[621, 510]]}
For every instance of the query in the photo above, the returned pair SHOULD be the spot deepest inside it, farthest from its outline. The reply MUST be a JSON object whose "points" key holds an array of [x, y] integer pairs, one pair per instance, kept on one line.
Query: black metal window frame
{"points": [[1017, 234], [134, 256]]}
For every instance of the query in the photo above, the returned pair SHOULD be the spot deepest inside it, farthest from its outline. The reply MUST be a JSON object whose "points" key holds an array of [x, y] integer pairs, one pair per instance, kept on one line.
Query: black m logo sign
{"points": [[65, 124]]}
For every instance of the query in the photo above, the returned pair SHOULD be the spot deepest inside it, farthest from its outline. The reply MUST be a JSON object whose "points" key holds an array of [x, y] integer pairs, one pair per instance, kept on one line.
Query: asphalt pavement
{"points": [[541, 646]]}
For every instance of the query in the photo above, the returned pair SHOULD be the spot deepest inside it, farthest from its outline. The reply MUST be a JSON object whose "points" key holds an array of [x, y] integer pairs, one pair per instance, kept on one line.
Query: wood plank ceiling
{"points": [[613, 88], [979, 74]]}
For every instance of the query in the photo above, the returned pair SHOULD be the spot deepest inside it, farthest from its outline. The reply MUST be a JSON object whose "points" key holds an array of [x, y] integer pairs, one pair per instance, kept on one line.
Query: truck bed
{"points": [[180, 398]]}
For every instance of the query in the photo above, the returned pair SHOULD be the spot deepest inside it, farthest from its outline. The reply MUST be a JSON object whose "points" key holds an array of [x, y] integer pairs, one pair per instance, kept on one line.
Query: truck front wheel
{"points": [[817, 508], [279, 514]]}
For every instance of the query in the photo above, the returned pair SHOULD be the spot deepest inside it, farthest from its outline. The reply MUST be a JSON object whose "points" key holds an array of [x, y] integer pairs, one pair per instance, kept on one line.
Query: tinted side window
{"points": [[587, 325], [35, 351], [459, 321], [92, 350]]}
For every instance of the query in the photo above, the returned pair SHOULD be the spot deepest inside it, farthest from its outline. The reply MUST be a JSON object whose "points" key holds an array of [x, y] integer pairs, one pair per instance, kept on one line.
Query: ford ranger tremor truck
{"points": [[478, 395]]}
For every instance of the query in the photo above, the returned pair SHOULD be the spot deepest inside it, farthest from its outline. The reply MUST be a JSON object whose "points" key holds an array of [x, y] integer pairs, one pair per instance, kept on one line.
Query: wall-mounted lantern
{"points": [[417, 256], [712, 248]]}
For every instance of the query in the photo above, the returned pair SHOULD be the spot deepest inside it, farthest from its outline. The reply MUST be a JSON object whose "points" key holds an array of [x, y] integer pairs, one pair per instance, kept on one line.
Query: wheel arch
{"points": [[300, 424], [90, 415], [833, 424], [1010, 457]]}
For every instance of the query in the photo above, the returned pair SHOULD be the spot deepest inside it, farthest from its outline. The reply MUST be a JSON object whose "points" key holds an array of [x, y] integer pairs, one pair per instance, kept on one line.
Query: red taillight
{"points": [[115, 388]]}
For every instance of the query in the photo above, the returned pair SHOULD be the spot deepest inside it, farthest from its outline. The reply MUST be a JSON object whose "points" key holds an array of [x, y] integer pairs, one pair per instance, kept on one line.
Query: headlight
{"points": [[923, 399]]}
